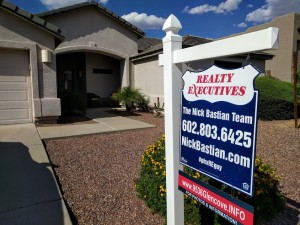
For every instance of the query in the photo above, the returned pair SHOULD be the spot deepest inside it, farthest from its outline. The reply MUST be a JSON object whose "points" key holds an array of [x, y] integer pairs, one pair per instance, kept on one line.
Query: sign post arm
{"points": [[256, 41], [172, 89]]}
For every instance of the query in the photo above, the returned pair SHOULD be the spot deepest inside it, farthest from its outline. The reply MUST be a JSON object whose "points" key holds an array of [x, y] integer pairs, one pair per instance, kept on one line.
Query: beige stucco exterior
{"points": [[19, 34], [90, 30], [102, 84], [281, 65], [148, 77]]}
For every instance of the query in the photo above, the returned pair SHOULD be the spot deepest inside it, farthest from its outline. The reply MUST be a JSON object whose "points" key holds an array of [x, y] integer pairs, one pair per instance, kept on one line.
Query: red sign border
{"points": [[215, 193]]}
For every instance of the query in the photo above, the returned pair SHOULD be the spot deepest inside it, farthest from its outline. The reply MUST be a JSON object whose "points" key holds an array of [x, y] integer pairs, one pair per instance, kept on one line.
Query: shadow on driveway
{"points": [[28, 191]]}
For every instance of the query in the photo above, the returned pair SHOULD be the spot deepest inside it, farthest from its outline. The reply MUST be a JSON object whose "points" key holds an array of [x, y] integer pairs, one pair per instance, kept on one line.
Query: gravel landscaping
{"points": [[97, 172]]}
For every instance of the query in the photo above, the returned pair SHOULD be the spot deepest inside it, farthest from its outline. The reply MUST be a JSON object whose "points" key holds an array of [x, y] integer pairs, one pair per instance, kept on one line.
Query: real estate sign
{"points": [[218, 124]]}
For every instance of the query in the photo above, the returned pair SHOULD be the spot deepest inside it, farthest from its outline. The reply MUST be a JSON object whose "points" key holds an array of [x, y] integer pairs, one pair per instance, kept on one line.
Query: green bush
{"points": [[71, 102], [143, 103], [151, 187], [276, 99], [271, 108], [131, 97]]}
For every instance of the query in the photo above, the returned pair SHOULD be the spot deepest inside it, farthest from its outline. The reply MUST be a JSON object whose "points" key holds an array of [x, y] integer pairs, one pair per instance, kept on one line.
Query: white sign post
{"points": [[172, 86], [172, 54]]}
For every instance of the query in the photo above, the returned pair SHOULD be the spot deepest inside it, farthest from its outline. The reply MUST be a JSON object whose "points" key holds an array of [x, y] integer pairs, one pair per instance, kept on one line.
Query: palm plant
{"points": [[129, 96]]}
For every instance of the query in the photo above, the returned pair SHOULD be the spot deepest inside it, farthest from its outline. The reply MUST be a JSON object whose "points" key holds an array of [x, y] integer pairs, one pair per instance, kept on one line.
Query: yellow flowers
{"points": [[154, 156], [162, 190], [197, 175], [265, 177], [151, 185]]}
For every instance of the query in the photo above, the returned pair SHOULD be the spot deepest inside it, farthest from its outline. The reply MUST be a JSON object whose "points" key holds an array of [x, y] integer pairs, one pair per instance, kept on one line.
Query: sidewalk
{"points": [[28, 189], [106, 122]]}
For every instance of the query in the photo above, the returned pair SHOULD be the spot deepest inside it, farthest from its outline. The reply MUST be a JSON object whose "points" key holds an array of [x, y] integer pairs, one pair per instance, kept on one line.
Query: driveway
{"points": [[28, 189]]}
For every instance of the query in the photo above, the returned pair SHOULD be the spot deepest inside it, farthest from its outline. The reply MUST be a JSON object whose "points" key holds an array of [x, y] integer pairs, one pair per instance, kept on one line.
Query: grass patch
{"points": [[276, 99], [276, 88]]}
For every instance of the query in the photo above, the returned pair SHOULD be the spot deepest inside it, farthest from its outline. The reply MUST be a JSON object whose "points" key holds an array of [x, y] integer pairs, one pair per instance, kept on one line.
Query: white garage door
{"points": [[15, 100]]}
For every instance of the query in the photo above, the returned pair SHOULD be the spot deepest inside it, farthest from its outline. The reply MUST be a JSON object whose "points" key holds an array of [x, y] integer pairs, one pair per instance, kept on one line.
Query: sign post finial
{"points": [[172, 26]]}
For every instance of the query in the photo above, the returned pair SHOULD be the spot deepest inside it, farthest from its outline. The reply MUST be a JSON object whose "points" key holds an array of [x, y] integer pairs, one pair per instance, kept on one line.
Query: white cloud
{"points": [[223, 7], [250, 6], [242, 25], [272, 9], [144, 21], [54, 4], [104, 2]]}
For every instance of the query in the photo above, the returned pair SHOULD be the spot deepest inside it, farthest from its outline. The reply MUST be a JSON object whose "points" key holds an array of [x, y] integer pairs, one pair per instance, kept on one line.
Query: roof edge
{"points": [[99, 7], [50, 28]]}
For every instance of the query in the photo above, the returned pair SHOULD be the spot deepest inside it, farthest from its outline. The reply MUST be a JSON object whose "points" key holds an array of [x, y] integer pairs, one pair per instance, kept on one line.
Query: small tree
{"points": [[129, 96]]}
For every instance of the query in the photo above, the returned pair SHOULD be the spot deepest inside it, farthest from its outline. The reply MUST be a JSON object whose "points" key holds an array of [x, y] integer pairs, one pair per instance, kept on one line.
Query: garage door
{"points": [[15, 100]]}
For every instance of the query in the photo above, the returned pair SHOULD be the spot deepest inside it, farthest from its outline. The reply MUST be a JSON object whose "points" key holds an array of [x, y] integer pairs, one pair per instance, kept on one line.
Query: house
{"points": [[281, 66], [38, 60], [83, 48], [94, 56], [27, 66]]}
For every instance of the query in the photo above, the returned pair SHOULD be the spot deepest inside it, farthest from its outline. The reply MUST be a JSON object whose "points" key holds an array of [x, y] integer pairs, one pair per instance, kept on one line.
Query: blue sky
{"points": [[204, 18]]}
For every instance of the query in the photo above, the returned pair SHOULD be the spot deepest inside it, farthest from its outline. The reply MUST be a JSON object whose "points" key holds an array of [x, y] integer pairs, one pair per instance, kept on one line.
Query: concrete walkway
{"points": [[29, 194], [105, 122]]}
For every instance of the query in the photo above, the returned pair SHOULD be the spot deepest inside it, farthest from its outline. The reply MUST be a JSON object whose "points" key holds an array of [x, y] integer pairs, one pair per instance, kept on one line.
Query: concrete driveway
{"points": [[29, 194]]}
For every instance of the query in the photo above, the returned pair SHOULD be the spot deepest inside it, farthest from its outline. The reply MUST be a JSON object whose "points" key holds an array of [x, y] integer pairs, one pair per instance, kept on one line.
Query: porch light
{"points": [[46, 56]]}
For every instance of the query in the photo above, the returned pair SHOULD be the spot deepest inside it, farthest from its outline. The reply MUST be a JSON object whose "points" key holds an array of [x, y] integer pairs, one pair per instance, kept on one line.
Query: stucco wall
{"points": [[102, 84], [17, 33], [88, 26], [148, 77], [89, 29], [281, 65]]}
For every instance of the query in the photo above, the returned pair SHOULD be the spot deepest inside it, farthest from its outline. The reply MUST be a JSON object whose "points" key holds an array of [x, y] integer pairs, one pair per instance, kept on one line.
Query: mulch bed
{"points": [[97, 173]]}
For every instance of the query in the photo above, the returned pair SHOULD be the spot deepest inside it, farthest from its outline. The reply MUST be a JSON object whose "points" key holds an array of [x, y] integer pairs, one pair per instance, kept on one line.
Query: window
{"points": [[102, 71]]}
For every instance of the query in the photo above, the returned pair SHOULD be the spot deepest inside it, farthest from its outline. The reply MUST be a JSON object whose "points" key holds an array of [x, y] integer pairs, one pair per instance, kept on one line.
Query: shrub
{"points": [[131, 97], [151, 187], [271, 108], [143, 103], [71, 102], [276, 100]]}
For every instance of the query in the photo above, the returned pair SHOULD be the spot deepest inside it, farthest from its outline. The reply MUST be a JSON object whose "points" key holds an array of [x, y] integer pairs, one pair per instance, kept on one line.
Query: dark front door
{"points": [[71, 73]]}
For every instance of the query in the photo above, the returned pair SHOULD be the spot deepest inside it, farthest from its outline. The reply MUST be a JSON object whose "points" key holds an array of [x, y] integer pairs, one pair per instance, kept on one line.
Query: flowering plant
{"points": [[151, 186]]}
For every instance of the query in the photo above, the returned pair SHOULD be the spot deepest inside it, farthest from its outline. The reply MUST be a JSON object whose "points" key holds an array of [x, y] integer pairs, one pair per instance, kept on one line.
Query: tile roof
{"points": [[146, 43], [189, 41], [54, 30], [99, 7], [146, 47]]}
